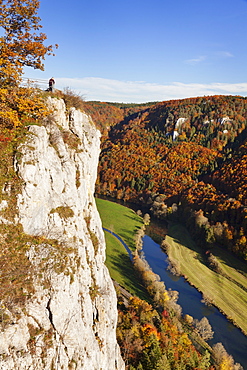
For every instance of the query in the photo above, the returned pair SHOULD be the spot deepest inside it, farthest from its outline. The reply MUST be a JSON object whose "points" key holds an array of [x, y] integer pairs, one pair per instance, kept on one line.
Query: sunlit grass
{"points": [[228, 291], [119, 219], [124, 222]]}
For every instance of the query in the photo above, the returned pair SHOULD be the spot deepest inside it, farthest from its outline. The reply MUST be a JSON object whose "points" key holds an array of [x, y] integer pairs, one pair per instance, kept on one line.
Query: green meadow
{"points": [[119, 219], [124, 222]]}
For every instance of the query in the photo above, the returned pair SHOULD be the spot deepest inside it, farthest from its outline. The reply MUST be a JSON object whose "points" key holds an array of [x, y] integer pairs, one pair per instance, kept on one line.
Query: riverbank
{"points": [[190, 299], [113, 213], [118, 261], [227, 291]]}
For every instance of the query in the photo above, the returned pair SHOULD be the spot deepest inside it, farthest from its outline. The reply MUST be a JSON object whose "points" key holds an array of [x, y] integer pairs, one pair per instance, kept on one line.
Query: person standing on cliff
{"points": [[51, 84]]}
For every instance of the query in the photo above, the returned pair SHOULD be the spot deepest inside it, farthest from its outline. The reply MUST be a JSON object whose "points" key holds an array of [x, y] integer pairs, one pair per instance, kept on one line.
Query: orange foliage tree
{"points": [[21, 44]]}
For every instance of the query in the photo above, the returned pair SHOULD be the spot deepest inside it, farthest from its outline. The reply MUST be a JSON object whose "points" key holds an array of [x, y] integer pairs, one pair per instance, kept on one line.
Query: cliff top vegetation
{"points": [[22, 45]]}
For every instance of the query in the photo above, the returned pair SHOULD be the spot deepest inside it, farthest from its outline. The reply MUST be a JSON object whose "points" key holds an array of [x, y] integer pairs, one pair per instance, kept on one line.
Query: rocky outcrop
{"points": [[70, 320]]}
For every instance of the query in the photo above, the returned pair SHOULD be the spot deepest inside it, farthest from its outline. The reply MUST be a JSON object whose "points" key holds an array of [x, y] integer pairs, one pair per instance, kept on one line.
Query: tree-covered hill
{"points": [[231, 177], [105, 115], [191, 152]]}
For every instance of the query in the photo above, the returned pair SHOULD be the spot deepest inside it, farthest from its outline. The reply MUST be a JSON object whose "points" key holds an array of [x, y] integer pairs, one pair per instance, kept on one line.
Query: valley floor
{"points": [[226, 290]]}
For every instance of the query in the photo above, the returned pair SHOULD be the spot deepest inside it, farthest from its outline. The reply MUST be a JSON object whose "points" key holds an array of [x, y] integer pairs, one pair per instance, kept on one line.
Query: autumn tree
{"points": [[21, 44], [146, 219], [224, 361], [204, 328]]}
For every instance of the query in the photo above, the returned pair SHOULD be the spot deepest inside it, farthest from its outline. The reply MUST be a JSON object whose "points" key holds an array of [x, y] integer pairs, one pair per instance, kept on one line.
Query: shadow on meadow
{"points": [[122, 264]]}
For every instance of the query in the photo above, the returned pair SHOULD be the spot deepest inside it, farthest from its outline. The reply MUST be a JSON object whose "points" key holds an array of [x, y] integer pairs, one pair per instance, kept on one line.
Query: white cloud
{"points": [[224, 54], [194, 61], [95, 88], [218, 54]]}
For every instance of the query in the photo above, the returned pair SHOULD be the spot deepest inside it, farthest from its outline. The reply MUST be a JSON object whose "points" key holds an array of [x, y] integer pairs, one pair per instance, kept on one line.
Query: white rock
{"points": [[179, 122], [72, 319]]}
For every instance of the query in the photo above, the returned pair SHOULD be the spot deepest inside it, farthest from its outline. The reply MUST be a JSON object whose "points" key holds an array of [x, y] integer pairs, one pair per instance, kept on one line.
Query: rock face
{"points": [[70, 320]]}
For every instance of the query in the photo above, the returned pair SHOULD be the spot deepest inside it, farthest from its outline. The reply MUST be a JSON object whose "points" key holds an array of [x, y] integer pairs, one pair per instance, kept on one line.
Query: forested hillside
{"points": [[185, 158], [106, 115]]}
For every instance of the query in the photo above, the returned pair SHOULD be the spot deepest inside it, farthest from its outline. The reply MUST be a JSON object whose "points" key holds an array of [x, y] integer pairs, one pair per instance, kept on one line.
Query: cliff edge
{"points": [[66, 314]]}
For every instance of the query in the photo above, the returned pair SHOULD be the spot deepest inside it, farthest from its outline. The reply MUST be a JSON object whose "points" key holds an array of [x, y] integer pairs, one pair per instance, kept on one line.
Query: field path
{"points": [[121, 240]]}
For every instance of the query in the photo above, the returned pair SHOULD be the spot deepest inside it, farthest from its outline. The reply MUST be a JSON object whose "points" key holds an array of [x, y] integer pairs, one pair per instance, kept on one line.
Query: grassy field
{"points": [[119, 219], [228, 291], [124, 222]]}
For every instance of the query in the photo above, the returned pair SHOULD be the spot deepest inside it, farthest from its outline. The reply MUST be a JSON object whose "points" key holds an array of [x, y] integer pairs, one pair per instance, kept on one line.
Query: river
{"points": [[234, 341]]}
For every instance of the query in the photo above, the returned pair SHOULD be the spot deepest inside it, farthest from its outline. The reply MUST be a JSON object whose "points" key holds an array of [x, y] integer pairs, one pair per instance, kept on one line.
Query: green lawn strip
{"points": [[225, 293], [121, 220], [124, 222]]}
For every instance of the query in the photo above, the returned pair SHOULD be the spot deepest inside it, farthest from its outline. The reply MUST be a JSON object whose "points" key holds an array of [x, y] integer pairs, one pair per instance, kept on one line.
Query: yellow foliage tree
{"points": [[226, 363]]}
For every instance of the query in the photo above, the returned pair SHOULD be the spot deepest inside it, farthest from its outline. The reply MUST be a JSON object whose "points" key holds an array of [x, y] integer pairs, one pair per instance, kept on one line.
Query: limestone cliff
{"points": [[69, 319]]}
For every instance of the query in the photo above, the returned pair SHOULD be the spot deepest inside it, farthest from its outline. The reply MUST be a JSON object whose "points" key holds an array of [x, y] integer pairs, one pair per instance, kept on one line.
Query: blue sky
{"points": [[140, 51]]}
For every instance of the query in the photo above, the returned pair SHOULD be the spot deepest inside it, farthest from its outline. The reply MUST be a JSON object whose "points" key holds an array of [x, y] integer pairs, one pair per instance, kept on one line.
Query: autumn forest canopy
{"points": [[186, 159]]}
